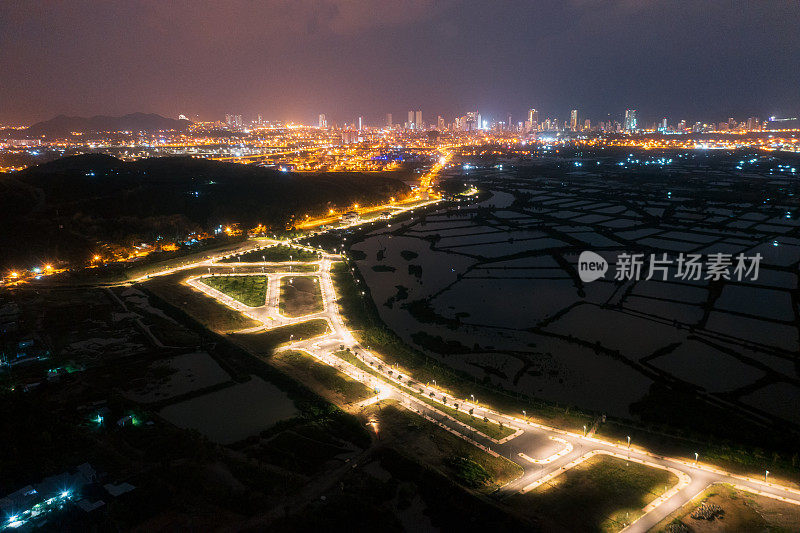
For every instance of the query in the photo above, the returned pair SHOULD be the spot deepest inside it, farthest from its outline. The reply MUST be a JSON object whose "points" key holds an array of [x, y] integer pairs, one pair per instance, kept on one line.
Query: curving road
{"points": [[543, 452]]}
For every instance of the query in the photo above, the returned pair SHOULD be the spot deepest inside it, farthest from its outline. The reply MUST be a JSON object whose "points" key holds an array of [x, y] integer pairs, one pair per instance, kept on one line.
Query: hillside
{"points": [[60, 209], [63, 125]]}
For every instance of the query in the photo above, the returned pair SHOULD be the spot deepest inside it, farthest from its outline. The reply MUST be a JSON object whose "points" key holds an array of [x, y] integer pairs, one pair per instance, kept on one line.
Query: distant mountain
{"points": [[63, 125]]}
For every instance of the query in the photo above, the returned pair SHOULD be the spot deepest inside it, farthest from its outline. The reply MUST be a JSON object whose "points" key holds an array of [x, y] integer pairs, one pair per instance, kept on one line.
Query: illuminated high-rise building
{"points": [[471, 121], [388, 120], [323, 123], [410, 123], [360, 123], [587, 125], [631, 124], [753, 124], [440, 123], [573, 120], [533, 118], [234, 121], [418, 120]]}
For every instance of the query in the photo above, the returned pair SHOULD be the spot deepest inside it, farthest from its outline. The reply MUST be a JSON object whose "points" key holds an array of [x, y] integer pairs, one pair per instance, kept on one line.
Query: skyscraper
{"points": [[234, 121], [573, 120], [410, 122], [360, 123], [418, 120], [533, 118], [322, 122], [630, 120], [471, 120], [388, 120], [440, 123]]}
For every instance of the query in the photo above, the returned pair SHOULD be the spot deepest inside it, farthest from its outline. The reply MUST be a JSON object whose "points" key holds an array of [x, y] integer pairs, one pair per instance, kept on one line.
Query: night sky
{"points": [[290, 60]]}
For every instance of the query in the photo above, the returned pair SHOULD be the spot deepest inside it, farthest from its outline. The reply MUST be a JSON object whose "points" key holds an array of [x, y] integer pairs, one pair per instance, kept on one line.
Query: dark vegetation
{"points": [[61, 209]]}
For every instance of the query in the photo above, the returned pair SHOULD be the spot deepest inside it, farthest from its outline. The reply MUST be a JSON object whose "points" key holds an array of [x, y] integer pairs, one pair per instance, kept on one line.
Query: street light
{"points": [[524, 414], [584, 430], [629, 442], [766, 473], [696, 455]]}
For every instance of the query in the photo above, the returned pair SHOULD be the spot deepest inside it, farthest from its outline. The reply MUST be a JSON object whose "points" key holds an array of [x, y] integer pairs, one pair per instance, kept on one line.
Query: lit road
{"points": [[543, 452]]}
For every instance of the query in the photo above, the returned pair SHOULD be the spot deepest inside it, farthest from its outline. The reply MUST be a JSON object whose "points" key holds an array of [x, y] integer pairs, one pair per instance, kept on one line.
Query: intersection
{"points": [[543, 452]]}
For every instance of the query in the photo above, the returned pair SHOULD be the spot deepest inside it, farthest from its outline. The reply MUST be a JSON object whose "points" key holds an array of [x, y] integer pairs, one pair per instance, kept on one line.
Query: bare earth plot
{"points": [[300, 296], [738, 510]]}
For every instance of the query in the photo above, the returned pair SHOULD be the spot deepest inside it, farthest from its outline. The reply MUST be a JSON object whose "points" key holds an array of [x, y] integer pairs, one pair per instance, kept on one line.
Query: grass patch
{"points": [[273, 254], [300, 296], [249, 290], [306, 368], [264, 343], [426, 442], [469, 472], [602, 493]]}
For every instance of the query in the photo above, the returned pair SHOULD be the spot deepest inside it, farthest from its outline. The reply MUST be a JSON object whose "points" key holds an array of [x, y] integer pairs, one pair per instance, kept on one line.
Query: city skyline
{"points": [[367, 59], [628, 121]]}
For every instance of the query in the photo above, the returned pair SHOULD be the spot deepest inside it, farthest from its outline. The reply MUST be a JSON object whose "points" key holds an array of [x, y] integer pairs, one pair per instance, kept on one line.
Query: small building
{"points": [[350, 217]]}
